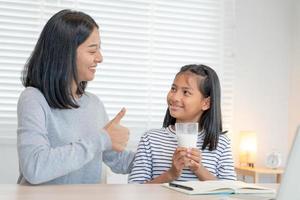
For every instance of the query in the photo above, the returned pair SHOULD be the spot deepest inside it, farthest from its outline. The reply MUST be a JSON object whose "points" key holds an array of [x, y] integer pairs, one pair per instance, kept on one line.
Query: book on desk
{"points": [[218, 187]]}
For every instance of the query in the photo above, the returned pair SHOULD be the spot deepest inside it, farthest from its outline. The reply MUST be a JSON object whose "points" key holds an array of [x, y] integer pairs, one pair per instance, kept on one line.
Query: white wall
{"points": [[263, 65]]}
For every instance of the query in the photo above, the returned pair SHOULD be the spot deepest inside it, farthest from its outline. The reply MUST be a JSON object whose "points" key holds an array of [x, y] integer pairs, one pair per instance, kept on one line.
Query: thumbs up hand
{"points": [[118, 134]]}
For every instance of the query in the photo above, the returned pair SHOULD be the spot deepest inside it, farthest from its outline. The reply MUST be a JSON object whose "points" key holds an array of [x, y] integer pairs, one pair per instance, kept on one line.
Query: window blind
{"points": [[144, 44]]}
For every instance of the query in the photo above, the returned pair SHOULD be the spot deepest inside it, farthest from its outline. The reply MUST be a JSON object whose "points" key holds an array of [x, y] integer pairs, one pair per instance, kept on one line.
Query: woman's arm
{"points": [[119, 162], [39, 160]]}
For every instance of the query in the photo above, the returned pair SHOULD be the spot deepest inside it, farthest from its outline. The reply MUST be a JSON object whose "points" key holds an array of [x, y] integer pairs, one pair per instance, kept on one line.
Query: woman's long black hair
{"points": [[51, 68], [211, 119]]}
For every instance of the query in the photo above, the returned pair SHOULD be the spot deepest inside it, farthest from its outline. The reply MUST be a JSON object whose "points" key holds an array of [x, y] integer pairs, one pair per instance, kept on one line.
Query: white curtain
{"points": [[144, 44]]}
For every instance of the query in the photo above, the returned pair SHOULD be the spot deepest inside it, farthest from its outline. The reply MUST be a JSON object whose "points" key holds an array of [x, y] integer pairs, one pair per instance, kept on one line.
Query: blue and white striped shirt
{"points": [[155, 152]]}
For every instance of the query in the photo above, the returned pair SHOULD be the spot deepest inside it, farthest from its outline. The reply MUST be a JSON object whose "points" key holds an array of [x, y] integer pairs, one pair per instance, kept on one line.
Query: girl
{"points": [[194, 97], [63, 131]]}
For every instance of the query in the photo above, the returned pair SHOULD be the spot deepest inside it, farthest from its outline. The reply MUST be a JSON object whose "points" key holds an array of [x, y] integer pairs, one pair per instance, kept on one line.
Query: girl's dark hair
{"points": [[211, 119], [51, 68]]}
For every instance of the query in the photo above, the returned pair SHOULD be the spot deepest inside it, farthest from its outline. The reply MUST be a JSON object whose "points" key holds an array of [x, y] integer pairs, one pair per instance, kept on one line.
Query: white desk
{"points": [[104, 192], [256, 172]]}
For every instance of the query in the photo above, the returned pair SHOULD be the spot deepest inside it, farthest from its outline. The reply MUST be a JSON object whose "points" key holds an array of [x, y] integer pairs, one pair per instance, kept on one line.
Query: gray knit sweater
{"points": [[64, 146]]}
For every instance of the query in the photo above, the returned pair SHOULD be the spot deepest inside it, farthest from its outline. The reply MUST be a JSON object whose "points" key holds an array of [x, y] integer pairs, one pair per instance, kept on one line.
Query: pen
{"points": [[180, 186]]}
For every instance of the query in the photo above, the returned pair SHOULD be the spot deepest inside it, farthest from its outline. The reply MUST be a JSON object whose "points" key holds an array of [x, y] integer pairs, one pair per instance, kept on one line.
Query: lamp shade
{"points": [[248, 148]]}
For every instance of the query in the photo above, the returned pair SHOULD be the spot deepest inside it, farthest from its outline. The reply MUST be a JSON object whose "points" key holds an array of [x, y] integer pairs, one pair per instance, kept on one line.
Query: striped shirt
{"points": [[155, 152]]}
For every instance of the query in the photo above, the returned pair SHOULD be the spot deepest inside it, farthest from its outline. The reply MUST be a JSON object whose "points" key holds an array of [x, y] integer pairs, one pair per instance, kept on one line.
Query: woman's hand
{"points": [[118, 134], [177, 163]]}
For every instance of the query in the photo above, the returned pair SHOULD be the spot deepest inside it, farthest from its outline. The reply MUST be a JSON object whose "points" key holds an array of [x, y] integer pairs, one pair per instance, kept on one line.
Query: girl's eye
{"points": [[186, 93], [92, 52], [173, 89]]}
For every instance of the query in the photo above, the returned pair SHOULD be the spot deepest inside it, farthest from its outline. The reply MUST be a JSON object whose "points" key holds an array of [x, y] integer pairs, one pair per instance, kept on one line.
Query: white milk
{"points": [[187, 140]]}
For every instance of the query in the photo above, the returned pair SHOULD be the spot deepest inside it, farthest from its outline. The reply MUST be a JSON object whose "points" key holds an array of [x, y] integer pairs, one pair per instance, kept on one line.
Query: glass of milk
{"points": [[187, 134]]}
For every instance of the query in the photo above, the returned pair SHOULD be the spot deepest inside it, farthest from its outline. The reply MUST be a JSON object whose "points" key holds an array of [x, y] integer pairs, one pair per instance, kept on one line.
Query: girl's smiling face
{"points": [[185, 102]]}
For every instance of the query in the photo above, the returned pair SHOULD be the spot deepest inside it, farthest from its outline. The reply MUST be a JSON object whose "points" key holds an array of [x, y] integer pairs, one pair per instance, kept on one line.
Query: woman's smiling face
{"points": [[88, 56]]}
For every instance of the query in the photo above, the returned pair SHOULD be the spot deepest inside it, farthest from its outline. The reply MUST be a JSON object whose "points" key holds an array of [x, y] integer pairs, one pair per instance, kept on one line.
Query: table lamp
{"points": [[248, 148]]}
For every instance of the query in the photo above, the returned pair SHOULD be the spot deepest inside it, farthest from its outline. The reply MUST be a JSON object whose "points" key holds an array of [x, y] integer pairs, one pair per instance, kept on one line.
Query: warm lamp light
{"points": [[248, 148]]}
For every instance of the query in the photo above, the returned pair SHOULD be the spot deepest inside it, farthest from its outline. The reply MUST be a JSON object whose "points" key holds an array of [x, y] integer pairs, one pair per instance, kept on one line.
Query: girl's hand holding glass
{"points": [[195, 157], [177, 162]]}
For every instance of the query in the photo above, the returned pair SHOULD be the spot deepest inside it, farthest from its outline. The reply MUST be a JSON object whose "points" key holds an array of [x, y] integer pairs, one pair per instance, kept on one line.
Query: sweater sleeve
{"points": [[142, 164], [119, 162], [39, 162]]}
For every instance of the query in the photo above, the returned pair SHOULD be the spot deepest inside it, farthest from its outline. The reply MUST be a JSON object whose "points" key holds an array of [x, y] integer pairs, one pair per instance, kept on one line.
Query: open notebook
{"points": [[218, 187]]}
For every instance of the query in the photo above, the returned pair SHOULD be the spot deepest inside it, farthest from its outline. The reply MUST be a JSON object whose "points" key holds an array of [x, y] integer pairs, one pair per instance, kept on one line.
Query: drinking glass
{"points": [[187, 134]]}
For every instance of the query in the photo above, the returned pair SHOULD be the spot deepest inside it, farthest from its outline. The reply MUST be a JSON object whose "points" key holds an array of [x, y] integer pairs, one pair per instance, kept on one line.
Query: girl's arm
{"points": [[196, 166], [226, 165], [142, 164], [174, 172]]}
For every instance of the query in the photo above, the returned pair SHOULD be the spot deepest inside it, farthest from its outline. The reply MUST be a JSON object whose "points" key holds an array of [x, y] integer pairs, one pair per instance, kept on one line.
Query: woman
{"points": [[63, 131]]}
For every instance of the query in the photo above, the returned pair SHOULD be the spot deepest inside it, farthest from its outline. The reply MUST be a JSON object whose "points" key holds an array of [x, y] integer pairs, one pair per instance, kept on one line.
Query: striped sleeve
{"points": [[142, 164], [226, 165]]}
